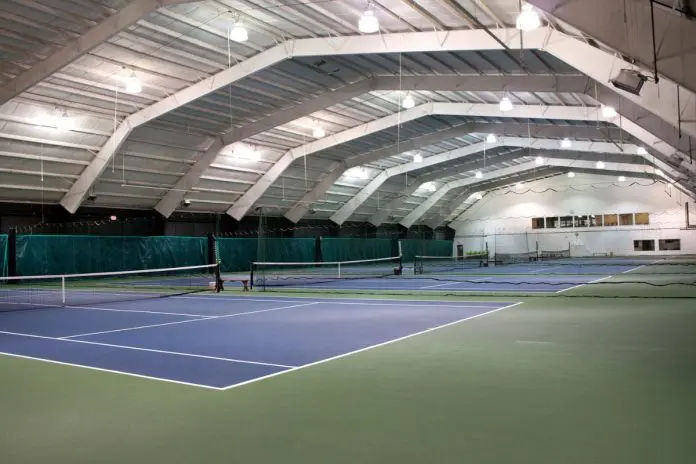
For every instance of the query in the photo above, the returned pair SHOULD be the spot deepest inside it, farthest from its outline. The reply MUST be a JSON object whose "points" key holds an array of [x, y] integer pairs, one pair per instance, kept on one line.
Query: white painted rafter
{"points": [[423, 208], [521, 83], [659, 98], [97, 35], [538, 144]]}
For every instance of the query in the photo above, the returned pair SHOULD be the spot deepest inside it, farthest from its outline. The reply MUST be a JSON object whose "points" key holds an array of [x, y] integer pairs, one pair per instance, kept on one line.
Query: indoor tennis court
{"points": [[347, 231]]}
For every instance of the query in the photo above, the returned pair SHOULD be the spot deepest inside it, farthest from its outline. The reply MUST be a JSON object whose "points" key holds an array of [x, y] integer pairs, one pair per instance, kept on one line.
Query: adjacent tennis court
{"points": [[220, 342]]}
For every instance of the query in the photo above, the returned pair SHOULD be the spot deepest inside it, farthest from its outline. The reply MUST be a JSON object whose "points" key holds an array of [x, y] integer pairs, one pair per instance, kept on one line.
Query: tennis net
{"points": [[71, 290], [515, 258], [559, 254], [266, 274], [439, 264]]}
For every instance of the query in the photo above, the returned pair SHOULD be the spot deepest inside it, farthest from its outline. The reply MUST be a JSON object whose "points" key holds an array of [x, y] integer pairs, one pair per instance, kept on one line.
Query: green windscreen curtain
{"points": [[237, 254], [353, 249], [3, 255], [76, 254], [420, 247]]}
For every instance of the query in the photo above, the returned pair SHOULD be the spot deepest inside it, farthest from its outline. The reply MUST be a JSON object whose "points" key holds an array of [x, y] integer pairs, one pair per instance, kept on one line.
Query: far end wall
{"points": [[503, 219]]}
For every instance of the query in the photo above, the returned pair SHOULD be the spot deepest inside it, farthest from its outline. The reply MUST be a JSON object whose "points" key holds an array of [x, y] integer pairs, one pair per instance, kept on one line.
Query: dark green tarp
{"points": [[237, 254], [3, 255], [353, 249], [75, 254], [420, 247]]}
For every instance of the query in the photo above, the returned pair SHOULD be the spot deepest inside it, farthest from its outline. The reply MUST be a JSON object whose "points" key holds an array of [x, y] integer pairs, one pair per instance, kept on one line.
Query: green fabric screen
{"points": [[3, 255], [237, 254], [75, 254], [420, 247], [353, 249]]}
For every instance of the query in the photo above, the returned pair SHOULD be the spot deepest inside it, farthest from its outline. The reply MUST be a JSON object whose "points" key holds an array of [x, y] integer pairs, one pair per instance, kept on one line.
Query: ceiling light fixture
{"points": [[566, 143], [133, 84], [519, 185], [63, 123], [622, 179], [539, 160], [368, 24], [600, 164], [609, 112], [408, 102], [245, 152], [318, 132], [417, 158], [571, 174], [491, 138], [505, 105], [659, 172], [528, 19], [238, 33], [479, 175], [641, 151], [478, 196], [429, 186]]}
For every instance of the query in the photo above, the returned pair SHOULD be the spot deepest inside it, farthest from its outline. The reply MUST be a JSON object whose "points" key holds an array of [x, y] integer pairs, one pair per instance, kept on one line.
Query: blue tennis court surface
{"points": [[220, 342], [455, 283]]}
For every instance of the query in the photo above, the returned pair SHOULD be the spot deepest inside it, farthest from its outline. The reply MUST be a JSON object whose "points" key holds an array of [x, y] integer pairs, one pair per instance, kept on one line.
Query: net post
{"points": [[339, 270], [12, 253], [218, 279], [62, 290]]}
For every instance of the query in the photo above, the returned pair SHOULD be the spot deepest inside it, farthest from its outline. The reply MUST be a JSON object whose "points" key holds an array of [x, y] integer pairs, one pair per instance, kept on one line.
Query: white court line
{"points": [[441, 285], [186, 321], [545, 269], [95, 308], [151, 350], [586, 283], [388, 342], [131, 374]]}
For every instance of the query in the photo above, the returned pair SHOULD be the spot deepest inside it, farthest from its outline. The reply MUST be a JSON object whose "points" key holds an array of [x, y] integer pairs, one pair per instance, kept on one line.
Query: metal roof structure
{"points": [[307, 116]]}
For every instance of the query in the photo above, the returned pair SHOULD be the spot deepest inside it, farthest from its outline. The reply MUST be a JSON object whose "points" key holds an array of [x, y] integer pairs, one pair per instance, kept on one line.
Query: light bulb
{"points": [[641, 151], [479, 175], [429, 186], [238, 33], [133, 85], [368, 23], [528, 19], [539, 160], [478, 196], [571, 174], [491, 138], [622, 179], [408, 102], [519, 185], [63, 123], [417, 158], [600, 164], [318, 132], [566, 143], [609, 112], [505, 104], [243, 151]]}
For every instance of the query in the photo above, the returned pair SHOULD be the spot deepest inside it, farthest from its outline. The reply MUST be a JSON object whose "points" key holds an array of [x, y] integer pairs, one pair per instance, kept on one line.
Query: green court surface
{"points": [[554, 380]]}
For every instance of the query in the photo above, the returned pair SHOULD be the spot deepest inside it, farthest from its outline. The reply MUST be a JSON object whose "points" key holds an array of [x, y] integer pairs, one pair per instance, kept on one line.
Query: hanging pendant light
{"points": [[368, 24]]}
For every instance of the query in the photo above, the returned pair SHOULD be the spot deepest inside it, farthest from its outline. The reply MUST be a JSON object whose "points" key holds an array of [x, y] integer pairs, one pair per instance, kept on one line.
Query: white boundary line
{"points": [[95, 308], [186, 321], [388, 342], [151, 350], [130, 374], [586, 283], [337, 300]]}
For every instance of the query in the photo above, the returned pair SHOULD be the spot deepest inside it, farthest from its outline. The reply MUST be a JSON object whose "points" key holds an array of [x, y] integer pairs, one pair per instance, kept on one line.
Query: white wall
{"points": [[503, 218]]}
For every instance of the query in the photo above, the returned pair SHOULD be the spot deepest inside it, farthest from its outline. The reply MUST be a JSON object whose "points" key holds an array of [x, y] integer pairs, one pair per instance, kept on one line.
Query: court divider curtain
{"points": [[75, 254], [3, 255], [422, 247], [237, 254], [352, 249]]}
